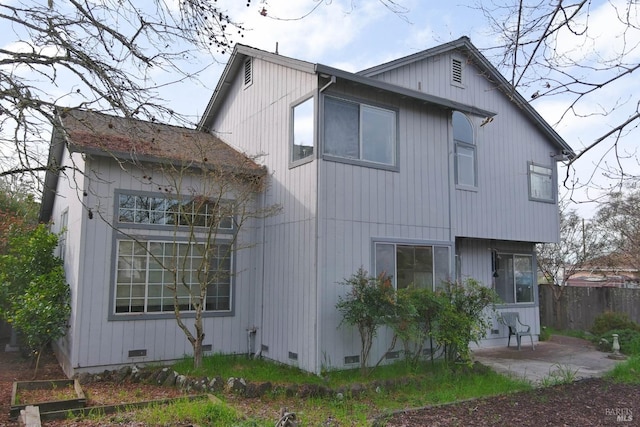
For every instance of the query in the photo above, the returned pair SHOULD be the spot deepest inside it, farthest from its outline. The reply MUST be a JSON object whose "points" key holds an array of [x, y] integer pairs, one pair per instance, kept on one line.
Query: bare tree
{"points": [[187, 205], [619, 219], [209, 209], [103, 55], [582, 55], [580, 242]]}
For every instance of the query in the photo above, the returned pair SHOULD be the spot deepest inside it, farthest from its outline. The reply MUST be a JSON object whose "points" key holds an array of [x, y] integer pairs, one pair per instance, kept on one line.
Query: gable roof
{"points": [[464, 45], [368, 78], [136, 140], [241, 53]]}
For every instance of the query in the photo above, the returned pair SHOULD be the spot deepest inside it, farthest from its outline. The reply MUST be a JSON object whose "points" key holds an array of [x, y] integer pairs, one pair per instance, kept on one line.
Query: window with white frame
{"points": [[149, 274], [357, 131], [160, 210], [541, 183], [465, 150], [514, 278], [421, 266], [303, 130]]}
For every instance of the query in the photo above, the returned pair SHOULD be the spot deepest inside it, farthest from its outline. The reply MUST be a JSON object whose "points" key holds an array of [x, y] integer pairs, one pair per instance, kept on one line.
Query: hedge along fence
{"points": [[579, 305]]}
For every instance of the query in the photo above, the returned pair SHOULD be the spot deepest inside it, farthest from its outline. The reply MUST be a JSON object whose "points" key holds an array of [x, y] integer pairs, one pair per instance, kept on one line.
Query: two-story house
{"points": [[429, 168]]}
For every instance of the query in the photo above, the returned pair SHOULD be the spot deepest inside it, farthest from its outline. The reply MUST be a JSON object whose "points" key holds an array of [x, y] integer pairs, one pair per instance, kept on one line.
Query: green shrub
{"points": [[367, 304], [463, 319], [629, 340], [545, 334], [34, 295], [610, 320]]}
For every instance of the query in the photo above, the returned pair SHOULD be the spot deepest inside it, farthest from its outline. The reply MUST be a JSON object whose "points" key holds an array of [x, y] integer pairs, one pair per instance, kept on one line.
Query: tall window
{"points": [[541, 183], [147, 272], [465, 150], [514, 281], [358, 131], [303, 130], [420, 266], [62, 240], [159, 210]]}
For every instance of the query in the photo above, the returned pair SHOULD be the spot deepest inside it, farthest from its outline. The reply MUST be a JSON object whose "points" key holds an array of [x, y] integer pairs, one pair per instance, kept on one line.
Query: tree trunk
{"points": [[197, 354]]}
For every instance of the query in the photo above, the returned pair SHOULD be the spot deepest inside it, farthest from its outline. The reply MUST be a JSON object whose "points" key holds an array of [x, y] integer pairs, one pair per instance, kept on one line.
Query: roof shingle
{"points": [[139, 140]]}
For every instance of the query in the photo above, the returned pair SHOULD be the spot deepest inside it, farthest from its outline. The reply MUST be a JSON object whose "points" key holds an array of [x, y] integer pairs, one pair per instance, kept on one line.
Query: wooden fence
{"points": [[579, 306]]}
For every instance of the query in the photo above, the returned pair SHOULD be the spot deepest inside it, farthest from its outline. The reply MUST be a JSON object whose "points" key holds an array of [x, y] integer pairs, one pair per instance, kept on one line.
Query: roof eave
{"points": [[145, 158], [465, 44], [236, 60], [403, 91]]}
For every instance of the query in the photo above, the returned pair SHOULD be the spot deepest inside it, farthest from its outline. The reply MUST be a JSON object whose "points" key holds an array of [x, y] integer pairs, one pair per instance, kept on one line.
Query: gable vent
{"points": [[456, 71], [248, 72]]}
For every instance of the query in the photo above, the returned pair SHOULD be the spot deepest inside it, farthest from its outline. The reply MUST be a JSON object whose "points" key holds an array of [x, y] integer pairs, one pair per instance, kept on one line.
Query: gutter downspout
{"points": [[258, 342], [452, 189], [318, 323]]}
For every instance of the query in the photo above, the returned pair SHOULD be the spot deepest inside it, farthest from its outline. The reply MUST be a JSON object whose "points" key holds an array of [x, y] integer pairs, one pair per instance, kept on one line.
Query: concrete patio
{"points": [[557, 356]]}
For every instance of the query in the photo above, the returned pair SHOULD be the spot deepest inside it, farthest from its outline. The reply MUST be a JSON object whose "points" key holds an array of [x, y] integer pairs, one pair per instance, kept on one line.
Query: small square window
{"points": [[541, 183], [359, 132]]}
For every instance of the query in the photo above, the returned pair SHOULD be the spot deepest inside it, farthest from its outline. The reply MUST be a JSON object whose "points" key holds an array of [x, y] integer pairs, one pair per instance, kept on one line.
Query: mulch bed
{"points": [[589, 402]]}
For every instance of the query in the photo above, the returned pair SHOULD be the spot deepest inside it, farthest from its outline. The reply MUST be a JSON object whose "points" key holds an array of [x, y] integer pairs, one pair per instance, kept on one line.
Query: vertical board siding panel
{"points": [[289, 251], [104, 342], [500, 208]]}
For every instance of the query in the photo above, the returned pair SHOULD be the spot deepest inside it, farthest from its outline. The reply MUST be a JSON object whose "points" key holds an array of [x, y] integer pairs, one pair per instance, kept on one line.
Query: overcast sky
{"points": [[356, 34]]}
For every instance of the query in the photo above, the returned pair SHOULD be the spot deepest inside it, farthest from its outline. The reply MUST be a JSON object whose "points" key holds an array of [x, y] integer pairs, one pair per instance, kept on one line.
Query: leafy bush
{"points": [[421, 308], [463, 318], [367, 304], [545, 334], [610, 320], [34, 295]]}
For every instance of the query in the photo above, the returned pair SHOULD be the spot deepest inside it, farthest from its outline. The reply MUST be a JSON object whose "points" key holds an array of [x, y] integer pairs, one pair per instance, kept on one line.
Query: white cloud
{"points": [[602, 33]]}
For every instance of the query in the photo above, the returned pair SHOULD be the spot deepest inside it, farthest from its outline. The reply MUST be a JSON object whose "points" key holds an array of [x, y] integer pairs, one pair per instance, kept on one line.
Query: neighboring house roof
{"points": [[138, 141], [366, 78]]}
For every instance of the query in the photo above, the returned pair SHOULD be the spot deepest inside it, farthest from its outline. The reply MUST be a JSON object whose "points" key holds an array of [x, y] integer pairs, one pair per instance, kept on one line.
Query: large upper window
{"points": [[465, 149], [148, 275], [514, 278], [541, 183], [360, 132], [303, 130], [159, 210], [420, 266]]}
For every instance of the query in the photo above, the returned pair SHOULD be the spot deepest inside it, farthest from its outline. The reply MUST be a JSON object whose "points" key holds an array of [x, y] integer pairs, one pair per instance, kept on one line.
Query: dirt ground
{"points": [[590, 402]]}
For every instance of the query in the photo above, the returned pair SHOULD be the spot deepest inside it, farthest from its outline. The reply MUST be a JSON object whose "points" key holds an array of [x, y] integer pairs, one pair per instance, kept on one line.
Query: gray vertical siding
{"points": [[474, 257], [501, 208], [359, 203], [99, 342], [256, 120], [70, 190]]}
